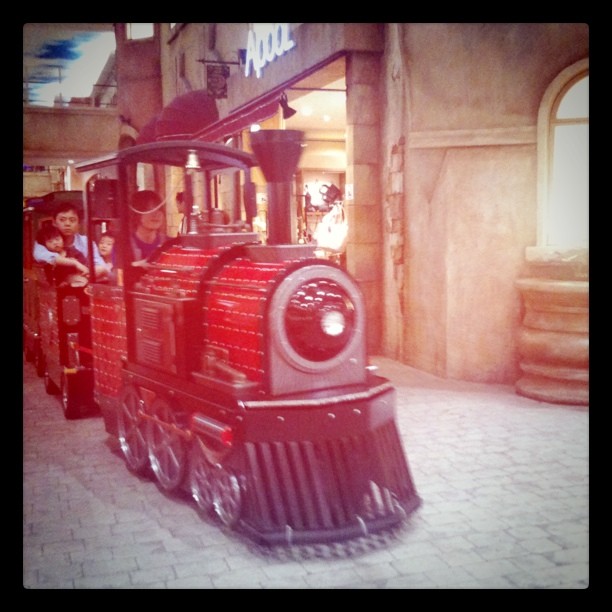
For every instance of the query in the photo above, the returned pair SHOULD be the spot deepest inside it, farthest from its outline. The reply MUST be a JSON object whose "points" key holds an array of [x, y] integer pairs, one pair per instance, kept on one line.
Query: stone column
{"points": [[364, 215]]}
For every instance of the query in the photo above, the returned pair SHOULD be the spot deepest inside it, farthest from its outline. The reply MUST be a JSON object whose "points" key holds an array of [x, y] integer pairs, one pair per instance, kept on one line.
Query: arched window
{"points": [[563, 156]]}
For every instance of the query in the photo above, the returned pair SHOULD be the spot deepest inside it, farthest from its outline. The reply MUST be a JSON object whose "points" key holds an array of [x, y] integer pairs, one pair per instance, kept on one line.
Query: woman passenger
{"points": [[148, 234]]}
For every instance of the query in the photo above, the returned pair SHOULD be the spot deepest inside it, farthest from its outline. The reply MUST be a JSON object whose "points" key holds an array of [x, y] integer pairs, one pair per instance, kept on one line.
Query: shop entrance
{"points": [[319, 102]]}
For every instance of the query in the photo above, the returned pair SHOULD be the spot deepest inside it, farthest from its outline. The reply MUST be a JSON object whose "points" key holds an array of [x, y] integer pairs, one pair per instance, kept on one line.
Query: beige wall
{"points": [[445, 209], [315, 43], [138, 76], [460, 187], [50, 135]]}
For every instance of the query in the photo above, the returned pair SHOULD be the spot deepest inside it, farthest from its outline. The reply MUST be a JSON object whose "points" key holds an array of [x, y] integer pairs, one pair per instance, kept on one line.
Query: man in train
{"points": [[67, 220]]}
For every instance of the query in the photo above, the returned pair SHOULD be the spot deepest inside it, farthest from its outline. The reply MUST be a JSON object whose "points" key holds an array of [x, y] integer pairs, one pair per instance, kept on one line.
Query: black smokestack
{"points": [[278, 153]]}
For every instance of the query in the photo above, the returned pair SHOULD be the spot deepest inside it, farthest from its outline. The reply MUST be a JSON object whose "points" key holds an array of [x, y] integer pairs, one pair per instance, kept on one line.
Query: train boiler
{"points": [[237, 370]]}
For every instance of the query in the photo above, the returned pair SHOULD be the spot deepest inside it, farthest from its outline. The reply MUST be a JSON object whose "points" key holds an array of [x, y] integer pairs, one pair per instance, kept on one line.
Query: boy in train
{"points": [[106, 246]]}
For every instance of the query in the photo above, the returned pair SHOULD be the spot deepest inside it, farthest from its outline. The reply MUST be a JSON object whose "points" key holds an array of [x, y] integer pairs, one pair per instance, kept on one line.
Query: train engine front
{"points": [[246, 379]]}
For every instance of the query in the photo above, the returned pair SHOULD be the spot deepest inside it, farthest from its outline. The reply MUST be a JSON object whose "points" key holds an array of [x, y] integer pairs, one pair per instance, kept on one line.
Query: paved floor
{"points": [[504, 482]]}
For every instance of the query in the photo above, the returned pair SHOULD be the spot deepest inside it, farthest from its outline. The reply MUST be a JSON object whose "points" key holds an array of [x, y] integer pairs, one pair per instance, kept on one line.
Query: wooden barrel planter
{"points": [[553, 341]]}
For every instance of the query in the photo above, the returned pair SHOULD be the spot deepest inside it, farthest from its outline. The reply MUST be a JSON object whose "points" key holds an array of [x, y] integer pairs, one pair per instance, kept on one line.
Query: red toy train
{"points": [[234, 369]]}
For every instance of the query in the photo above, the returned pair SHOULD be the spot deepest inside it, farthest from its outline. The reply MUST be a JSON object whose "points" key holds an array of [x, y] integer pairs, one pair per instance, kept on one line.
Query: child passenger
{"points": [[106, 247], [69, 265]]}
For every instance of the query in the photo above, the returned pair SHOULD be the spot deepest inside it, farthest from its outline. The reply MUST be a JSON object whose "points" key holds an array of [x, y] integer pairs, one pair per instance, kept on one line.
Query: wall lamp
{"points": [[287, 110]]}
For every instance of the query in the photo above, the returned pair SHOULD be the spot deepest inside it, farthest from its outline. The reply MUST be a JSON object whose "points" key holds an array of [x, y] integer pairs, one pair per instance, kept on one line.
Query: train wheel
{"points": [[166, 444], [71, 397], [227, 497], [201, 478], [131, 430]]}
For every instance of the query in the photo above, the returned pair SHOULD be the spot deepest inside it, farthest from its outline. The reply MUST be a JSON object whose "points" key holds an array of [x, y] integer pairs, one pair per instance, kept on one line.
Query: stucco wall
{"points": [[315, 43], [52, 135], [460, 186], [139, 77]]}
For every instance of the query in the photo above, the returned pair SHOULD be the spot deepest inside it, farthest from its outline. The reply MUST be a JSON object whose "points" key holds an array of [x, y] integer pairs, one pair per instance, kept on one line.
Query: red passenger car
{"points": [[56, 319]]}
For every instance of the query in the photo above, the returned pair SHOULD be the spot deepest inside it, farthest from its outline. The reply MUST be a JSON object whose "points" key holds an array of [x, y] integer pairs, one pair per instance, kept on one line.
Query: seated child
{"points": [[70, 265], [106, 247]]}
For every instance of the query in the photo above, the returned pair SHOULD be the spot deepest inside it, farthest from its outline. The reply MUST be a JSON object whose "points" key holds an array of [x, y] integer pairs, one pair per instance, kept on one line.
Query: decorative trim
{"points": [[339, 400], [547, 254], [128, 130], [472, 138]]}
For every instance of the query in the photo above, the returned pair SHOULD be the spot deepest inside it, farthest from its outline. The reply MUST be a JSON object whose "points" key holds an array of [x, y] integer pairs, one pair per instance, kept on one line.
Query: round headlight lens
{"points": [[319, 320], [333, 323]]}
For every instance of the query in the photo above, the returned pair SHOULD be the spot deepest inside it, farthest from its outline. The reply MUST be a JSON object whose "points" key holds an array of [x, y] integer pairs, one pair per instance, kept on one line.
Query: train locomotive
{"points": [[234, 368]]}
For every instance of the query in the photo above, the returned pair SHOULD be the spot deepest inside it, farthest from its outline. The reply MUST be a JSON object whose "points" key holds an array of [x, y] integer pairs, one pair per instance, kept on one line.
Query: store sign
{"points": [[266, 42]]}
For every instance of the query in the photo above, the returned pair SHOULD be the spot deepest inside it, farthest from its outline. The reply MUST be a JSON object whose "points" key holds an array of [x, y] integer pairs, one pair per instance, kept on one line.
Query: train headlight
{"points": [[333, 323], [315, 325], [319, 320]]}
